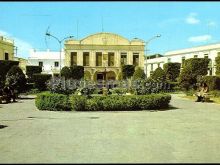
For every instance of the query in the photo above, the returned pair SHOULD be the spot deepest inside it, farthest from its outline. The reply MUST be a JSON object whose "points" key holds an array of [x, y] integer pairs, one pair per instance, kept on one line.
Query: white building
{"points": [[210, 51], [49, 60]]}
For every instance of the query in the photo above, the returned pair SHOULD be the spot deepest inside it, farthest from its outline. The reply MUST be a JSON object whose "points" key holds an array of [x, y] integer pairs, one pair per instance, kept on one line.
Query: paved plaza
{"points": [[187, 132]]}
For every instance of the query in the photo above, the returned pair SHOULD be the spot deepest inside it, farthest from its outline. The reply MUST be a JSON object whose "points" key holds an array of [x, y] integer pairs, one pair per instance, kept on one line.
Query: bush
{"points": [[217, 60], [40, 81], [78, 103], [138, 74], [172, 71], [16, 78], [52, 102], [215, 93], [193, 68], [66, 72], [5, 66], [115, 102], [159, 75], [213, 82], [127, 71], [77, 72], [30, 70]]}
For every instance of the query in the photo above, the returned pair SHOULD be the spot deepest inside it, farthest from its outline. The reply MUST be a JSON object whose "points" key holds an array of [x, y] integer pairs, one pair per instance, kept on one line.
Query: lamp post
{"points": [[147, 42], [60, 42]]}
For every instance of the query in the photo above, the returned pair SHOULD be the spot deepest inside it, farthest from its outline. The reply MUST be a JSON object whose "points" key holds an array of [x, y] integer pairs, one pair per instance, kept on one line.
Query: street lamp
{"points": [[146, 44], [60, 42]]}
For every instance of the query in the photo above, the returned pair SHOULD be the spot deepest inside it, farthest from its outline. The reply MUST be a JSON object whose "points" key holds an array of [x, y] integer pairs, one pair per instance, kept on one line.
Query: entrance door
{"points": [[100, 76]]}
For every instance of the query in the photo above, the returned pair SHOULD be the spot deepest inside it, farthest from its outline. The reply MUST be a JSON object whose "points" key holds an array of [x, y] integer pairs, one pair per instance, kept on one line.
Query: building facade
{"points": [[6, 48], [210, 51], [104, 54], [49, 60]]}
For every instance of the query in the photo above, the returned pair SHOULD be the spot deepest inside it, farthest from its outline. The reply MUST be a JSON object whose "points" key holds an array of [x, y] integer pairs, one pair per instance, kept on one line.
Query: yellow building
{"points": [[102, 53], [6, 48], [22, 63]]}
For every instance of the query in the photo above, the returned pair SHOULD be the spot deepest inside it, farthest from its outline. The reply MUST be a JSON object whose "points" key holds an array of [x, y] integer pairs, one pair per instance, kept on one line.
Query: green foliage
{"points": [[172, 71], [194, 68], [215, 93], [5, 66], [127, 71], [118, 103], [217, 61], [66, 72], [213, 82], [119, 91], [77, 72], [87, 91], [138, 74], [78, 103], [40, 81], [30, 70], [52, 102], [87, 76], [16, 78], [159, 75]]}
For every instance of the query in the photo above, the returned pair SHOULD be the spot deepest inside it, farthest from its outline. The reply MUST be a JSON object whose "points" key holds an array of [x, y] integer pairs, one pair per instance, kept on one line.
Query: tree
{"points": [[16, 78], [5, 66], [138, 74], [159, 75], [66, 72], [127, 71], [172, 71], [30, 70], [217, 60], [194, 68], [77, 72]]}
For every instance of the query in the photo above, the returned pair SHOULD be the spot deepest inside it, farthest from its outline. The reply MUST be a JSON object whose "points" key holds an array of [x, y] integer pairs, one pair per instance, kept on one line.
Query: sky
{"points": [[180, 24]]}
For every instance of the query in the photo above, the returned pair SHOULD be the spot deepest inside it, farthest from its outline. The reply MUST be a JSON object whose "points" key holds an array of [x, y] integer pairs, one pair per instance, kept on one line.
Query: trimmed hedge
{"points": [[52, 102], [40, 81], [213, 82], [120, 103], [5, 66], [60, 102]]}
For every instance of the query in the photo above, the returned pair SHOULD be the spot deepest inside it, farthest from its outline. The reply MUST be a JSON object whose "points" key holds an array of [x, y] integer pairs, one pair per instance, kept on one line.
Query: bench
{"points": [[207, 97]]}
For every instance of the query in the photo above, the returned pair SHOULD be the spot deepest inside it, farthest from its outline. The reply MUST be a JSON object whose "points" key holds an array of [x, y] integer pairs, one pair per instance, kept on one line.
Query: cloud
{"points": [[212, 24], [202, 38], [23, 47], [191, 19]]}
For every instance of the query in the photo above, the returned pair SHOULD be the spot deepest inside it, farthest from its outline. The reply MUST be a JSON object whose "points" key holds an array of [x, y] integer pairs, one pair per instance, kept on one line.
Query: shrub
{"points": [[5, 66], [217, 60], [172, 71], [193, 68], [30, 70], [215, 93], [213, 82], [52, 102], [77, 72], [127, 71], [115, 102], [158, 75], [119, 91], [66, 72], [138, 74], [78, 103], [16, 78], [40, 81]]}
